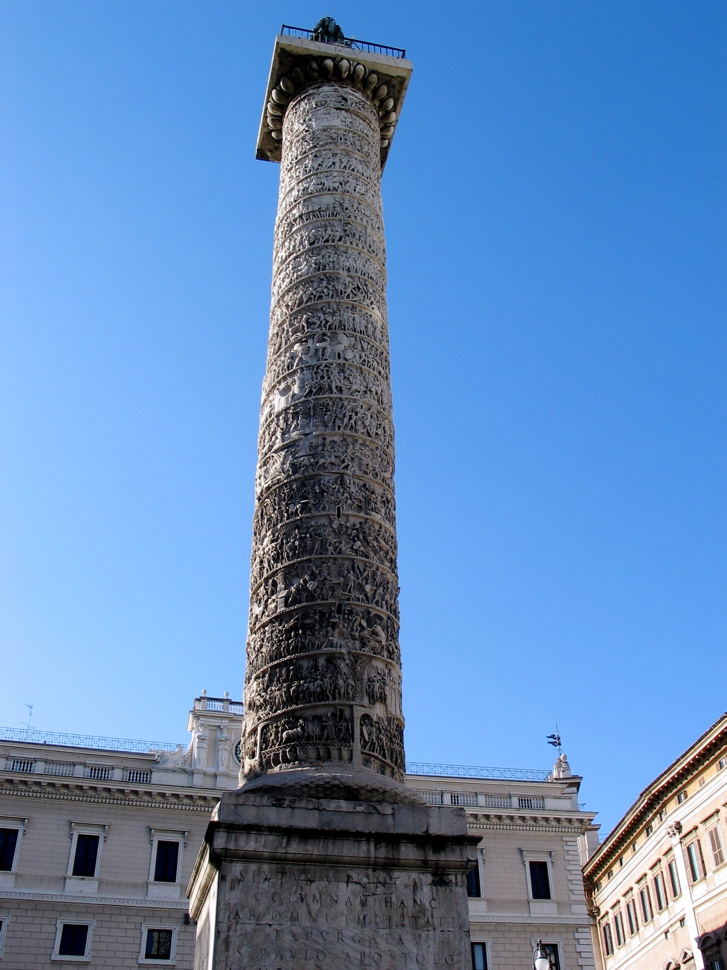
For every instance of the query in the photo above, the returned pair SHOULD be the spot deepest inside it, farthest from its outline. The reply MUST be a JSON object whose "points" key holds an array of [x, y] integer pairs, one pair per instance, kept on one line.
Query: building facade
{"points": [[658, 884], [98, 838]]}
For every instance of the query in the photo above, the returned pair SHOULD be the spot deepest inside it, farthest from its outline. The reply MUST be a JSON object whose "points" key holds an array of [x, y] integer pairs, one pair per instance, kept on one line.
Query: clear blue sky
{"points": [[555, 206]]}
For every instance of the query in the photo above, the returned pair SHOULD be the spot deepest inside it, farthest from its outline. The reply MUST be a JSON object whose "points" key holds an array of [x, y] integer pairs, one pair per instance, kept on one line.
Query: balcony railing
{"points": [[352, 42], [223, 704], [84, 741], [471, 771]]}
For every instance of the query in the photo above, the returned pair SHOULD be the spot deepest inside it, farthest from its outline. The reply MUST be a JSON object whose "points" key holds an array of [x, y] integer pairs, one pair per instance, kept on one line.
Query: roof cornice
{"points": [[679, 772]]}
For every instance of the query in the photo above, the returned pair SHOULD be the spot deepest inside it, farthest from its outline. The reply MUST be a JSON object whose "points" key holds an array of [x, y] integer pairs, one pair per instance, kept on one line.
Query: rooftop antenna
{"points": [[30, 715], [554, 739]]}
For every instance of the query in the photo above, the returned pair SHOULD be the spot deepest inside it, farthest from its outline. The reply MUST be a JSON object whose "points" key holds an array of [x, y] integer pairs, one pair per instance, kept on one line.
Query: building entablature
{"points": [[203, 801], [576, 824]]}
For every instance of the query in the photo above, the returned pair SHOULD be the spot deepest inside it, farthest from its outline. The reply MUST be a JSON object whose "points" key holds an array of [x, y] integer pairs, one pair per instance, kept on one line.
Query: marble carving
{"points": [[323, 681]]}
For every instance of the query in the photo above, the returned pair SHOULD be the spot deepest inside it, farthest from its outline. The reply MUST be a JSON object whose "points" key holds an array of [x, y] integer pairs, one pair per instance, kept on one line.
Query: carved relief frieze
{"points": [[328, 259], [383, 737], [339, 231], [328, 319], [330, 210], [324, 736], [331, 286], [324, 454], [322, 415], [323, 681], [340, 495], [302, 360], [338, 627], [324, 381], [325, 536]]}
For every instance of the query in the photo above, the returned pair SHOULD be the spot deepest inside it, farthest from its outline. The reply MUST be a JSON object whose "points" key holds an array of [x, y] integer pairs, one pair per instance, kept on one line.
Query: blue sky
{"points": [[555, 209]]}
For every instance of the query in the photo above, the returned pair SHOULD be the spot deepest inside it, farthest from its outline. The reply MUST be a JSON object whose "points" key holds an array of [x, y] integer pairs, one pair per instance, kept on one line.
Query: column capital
{"points": [[299, 63]]}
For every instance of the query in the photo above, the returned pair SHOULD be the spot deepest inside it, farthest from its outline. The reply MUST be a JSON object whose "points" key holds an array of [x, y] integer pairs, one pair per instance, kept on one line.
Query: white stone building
{"points": [[98, 838], [658, 883]]}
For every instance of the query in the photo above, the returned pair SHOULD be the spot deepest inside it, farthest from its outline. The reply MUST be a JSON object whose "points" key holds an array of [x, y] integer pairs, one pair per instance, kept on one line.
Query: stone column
{"points": [[324, 858], [323, 685]]}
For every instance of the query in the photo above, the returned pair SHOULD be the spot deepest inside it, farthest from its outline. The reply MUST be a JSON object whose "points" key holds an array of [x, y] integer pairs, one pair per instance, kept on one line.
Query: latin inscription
{"points": [[276, 918]]}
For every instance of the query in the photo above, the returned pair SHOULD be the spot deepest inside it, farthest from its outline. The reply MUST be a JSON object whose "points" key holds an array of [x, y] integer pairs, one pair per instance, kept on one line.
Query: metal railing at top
{"points": [[353, 42], [471, 771], [84, 741]]}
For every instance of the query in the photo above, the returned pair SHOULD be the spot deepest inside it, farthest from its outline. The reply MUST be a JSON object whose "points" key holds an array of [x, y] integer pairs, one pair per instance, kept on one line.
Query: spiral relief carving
{"points": [[323, 682]]}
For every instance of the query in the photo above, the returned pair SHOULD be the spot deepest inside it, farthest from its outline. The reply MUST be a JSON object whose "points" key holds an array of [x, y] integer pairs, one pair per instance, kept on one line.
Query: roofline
{"points": [[645, 804]]}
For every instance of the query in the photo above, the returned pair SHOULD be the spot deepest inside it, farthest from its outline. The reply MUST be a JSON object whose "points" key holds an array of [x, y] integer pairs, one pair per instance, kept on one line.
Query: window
{"points": [[479, 956], [722, 764], [167, 859], [609, 874], [695, 860], [634, 846], [618, 926], [607, 939], [8, 844], [649, 830], [539, 881], [3, 927], [86, 855], [660, 890], [621, 860], [85, 859], [473, 881], [73, 941], [552, 950], [165, 866], [681, 797], [674, 878], [631, 916], [715, 845], [158, 943], [645, 900]]}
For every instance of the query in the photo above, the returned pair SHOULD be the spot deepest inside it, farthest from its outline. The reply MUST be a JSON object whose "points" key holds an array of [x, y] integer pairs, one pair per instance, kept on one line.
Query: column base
{"points": [[295, 883]]}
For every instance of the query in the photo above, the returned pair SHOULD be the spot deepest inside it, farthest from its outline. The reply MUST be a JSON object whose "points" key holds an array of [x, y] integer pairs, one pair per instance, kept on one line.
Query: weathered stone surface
{"points": [[323, 683], [312, 884], [324, 858]]}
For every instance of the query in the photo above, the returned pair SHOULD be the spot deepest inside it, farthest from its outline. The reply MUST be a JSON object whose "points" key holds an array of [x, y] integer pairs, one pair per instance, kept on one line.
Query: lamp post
{"points": [[541, 960]]}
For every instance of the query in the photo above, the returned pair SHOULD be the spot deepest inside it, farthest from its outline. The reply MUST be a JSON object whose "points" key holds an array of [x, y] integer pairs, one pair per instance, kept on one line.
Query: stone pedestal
{"points": [[290, 883]]}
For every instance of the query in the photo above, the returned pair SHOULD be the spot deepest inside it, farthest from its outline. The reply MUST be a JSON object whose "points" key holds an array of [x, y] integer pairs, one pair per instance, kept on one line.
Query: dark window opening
{"points": [[8, 842], [158, 945], [473, 882], [74, 937], [539, 881], [165, 868], [84, 864], [479, 956], [552, 950]]}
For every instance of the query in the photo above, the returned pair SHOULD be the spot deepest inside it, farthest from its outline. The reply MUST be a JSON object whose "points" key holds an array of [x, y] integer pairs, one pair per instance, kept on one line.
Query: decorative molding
{"points": [[96, 900], [179, 802], [300, 65], [525, 919]]}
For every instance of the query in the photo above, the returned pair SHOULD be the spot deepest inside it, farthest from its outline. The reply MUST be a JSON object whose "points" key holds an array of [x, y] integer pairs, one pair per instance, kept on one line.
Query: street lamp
{"points": [[541, 960]]}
